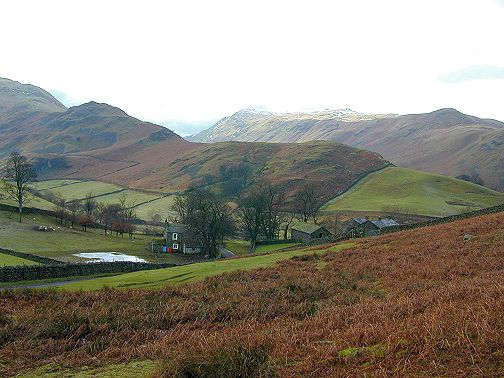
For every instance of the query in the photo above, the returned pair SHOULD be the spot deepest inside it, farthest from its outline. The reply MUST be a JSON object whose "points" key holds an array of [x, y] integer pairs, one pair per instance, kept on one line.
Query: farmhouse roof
{"points": [[178, 228], [385, 222], [360, 220], [307, 228]]}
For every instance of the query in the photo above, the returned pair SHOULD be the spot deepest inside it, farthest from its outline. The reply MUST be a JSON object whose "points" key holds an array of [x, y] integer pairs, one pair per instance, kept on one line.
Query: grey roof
{"points": [[385, 222], [178, 228], [307, 228], [360, 220]]}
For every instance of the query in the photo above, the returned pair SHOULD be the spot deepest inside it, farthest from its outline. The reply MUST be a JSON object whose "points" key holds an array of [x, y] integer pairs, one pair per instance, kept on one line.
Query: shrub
{"points": [[236, 361]]}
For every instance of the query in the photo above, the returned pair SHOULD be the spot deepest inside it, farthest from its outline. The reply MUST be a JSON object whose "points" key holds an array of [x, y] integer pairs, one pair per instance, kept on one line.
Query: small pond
{"points": [[109, 256]]}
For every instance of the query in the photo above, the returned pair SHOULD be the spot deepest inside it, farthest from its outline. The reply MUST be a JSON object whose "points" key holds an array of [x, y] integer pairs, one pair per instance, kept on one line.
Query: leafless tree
{"points": [[307, 204], [260, 212], [18, 173], [73, 207], [207, 216], [89, 205]]}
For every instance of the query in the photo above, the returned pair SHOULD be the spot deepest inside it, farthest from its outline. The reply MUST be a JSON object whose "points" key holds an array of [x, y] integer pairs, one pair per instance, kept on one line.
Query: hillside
{"points": [[100, 142], [445, 141], [402, 190], [416, 303], [18, 98]]}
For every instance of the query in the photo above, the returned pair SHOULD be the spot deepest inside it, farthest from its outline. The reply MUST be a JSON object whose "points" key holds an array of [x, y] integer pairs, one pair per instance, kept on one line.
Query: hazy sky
{"points": [[202, 60]]}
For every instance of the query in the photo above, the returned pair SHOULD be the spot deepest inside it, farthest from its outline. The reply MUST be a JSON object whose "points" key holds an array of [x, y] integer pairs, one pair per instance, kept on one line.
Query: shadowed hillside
{"points": [[445, 141]]}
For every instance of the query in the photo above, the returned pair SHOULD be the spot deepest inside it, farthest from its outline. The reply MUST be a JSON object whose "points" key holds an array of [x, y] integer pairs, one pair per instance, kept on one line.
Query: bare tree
{"points": [[61, 208], [89, 205], [127, 216], [251, 212], [208, 218], [260, 212], [18, 173], [73, 207], [108, 214], [287, 219], [306, 203], [274, 197]]}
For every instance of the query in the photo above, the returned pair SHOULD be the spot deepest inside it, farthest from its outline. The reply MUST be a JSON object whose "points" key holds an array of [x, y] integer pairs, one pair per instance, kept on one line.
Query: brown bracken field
{"points": [[416, 303]]}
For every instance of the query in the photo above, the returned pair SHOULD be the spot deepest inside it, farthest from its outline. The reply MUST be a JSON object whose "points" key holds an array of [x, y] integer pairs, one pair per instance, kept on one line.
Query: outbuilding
{"points": [[366, 227], [307, 232]]}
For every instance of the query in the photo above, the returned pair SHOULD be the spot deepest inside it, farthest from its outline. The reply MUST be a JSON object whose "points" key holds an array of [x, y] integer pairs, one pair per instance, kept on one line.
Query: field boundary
{"points": [[354, 186], [37, 272], [31, 257]]}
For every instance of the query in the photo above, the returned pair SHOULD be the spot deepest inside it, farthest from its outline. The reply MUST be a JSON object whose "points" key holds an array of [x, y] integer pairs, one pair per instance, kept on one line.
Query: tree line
{"points": [[112, 217]]}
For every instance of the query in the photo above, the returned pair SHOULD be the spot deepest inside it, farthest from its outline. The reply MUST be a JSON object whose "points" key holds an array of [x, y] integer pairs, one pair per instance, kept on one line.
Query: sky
{"points": [[188, 63]]}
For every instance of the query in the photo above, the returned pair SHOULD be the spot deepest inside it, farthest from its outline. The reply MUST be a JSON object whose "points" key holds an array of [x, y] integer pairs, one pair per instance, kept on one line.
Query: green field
{"points": [[51, 184], [409, 191], [241, 247], [192, 272], [73, 189], [238, 247], [146, 203], [33, 201], [161, 206], [8, 260], [62, 243], [272, 247]]}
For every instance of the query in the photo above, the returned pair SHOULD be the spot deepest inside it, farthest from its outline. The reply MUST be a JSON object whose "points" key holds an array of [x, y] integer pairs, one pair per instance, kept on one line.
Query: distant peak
{"points": [[447, 110], [102, 108]]}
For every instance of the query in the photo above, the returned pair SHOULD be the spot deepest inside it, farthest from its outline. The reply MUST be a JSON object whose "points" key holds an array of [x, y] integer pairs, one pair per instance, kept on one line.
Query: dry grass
{"points": [[417, 303]]}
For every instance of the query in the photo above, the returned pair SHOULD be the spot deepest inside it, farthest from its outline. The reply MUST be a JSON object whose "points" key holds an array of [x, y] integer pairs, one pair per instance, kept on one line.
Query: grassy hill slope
{"points": [[405, 190], [417, 303]]}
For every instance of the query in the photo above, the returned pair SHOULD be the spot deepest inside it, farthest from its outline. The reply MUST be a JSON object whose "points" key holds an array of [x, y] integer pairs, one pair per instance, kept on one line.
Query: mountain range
{"points": [[102, 142], [445, 141]]}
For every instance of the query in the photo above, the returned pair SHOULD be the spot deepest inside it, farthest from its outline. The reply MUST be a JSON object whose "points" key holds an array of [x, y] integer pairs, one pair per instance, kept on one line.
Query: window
{"points": [[175, 236], [320, 235], [175, 246]]}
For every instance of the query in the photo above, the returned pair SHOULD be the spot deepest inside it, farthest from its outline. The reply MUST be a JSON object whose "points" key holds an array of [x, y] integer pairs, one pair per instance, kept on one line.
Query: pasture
{"points": [[62, 243], [8, 260], [146, 203], [402, 190]]}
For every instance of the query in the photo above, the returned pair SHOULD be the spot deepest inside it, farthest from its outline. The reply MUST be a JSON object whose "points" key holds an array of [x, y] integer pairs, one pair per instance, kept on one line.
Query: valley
{"points": [[276, 258]]}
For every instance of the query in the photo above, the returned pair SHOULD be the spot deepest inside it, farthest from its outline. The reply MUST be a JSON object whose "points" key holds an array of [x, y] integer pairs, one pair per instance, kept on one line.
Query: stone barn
{"points": [[307, 232]]}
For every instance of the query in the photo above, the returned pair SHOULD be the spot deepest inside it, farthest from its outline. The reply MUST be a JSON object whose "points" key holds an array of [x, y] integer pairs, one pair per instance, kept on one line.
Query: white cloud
{"points": [[199, 60]]}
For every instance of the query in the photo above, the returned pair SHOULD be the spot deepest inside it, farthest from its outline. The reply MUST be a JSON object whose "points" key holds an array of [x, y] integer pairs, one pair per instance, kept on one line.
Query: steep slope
{"points": [[250, 125], [18, 98], [403, 190], [444, 141]]}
